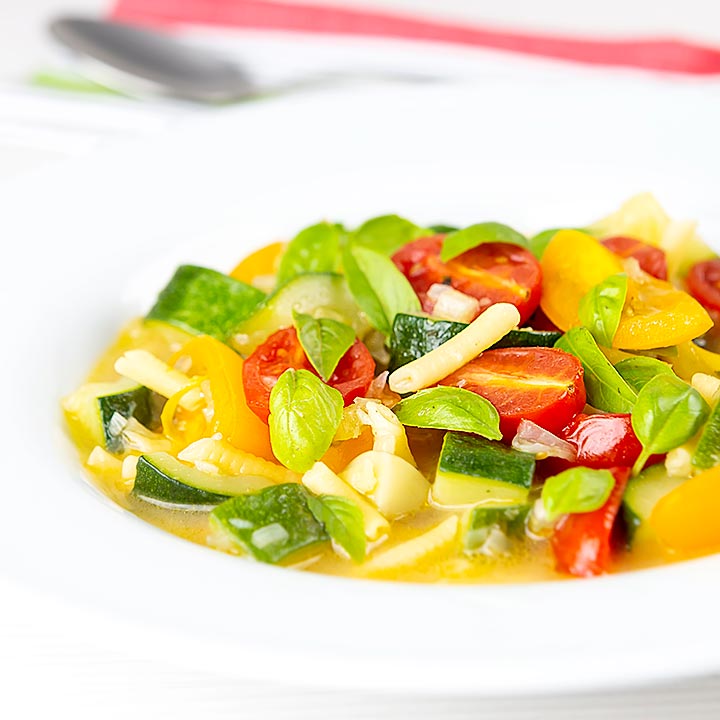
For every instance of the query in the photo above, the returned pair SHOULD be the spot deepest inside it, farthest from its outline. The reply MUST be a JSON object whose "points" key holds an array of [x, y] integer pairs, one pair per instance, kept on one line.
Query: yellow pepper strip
{"points": [[264, 261], [572, 264], [656, 314], [231, 416], [691, 359], [686, 519]]}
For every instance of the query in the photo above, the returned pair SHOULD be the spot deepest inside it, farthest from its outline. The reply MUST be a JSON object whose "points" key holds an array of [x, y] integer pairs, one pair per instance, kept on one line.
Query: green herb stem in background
{"points": [[450, 408], [577, 490], [379, 288], [324, 341], [343, 521], [314, 249], [387, 233], [601, 308], [304, 415], [668, 412], [456, 243], [638, 371], [606, 389]]}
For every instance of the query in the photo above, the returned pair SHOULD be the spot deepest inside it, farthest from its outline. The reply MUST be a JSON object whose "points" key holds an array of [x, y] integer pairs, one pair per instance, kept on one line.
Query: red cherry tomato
{"points": [[282, 350], [650, 258], [601, 441], [493, 272], [582, 542], [544, 385], [540, 321], [703, 281]]}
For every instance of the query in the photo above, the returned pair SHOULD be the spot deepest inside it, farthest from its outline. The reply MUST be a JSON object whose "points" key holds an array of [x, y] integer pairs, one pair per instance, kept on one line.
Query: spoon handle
{"points": [[654, 54]]}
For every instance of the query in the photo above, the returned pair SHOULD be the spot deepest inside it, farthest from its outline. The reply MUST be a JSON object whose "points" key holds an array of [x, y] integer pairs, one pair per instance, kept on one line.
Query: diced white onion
{"points": [[451, 304], [536, 440]]}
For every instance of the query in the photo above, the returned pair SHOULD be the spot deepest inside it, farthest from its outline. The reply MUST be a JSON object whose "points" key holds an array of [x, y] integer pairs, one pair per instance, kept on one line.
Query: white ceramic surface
{"points": [[91, 245]]}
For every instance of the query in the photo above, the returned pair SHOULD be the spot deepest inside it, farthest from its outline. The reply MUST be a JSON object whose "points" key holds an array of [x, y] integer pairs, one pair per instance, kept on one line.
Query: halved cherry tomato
{"points": [[264, 261], [492, 273], [602, 441], [703, 281], [582, 542], [657, 314], [686, 519], [572, 264], [651, 259], [282, 350], [544, 385]]}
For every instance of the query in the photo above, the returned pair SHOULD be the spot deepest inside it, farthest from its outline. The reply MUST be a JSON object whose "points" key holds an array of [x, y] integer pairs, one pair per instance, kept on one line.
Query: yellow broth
{"points": [[530, 560]]}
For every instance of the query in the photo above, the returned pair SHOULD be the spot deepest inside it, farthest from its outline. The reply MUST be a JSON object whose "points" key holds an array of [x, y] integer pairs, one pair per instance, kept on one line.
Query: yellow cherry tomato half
{"points": [[572, 264], [686, 519], [656, 314], [264, 261]]}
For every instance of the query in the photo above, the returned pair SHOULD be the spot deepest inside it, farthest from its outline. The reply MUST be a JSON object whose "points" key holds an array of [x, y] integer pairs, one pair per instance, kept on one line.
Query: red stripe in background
{"points": [[663, 55]]}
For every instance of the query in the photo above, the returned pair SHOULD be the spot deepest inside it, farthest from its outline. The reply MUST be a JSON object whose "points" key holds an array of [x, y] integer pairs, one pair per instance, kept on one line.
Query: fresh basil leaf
{"points": [[442, 229], [606, 390], [387, 233], [324, 341], [343, 521], [577, 490], [668, 412], [378, 287], [638, 371], [314, 249], [304, 415], [538, 243], [601, 308], [457, 243], [450, 408], [707, 452]]}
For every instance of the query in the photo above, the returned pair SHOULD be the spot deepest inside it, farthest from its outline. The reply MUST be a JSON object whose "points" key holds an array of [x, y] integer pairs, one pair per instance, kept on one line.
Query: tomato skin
{"points": [[544, 385], [492, 273], [650, 258], [703, 281], [582, 542], [282, 350]]}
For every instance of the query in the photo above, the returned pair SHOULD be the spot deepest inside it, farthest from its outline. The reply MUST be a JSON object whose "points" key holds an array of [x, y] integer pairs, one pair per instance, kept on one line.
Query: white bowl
{"points": [[91, 245]]}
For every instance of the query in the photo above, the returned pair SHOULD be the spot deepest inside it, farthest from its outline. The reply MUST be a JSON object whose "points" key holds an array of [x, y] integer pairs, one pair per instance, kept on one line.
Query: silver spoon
{"points": [[125, 57], [160, 62]]}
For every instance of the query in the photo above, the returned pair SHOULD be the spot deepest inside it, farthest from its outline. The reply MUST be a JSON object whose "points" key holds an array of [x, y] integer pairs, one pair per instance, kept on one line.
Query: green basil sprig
{"points": [[601, 308], [638, 371], [456, 243], [668, 412], [378, 287], [324, 341], [577, 490], [304, 416], [606, 390], [314, 249], [343, 521], [450, 408], [387, 233]]}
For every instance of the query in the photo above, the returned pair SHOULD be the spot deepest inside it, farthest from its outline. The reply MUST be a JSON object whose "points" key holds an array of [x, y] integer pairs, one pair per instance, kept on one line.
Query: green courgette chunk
{"points": [[205, 302], [414, 336], [163, 480], [134, 402], [509, 520], [474, 470], [272, 525], [322, 295]]}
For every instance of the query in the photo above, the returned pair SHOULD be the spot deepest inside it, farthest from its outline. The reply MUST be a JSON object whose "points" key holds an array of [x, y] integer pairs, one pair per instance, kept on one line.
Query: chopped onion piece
{"points": [[273, 534], [533, 439], [451, 304]]}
